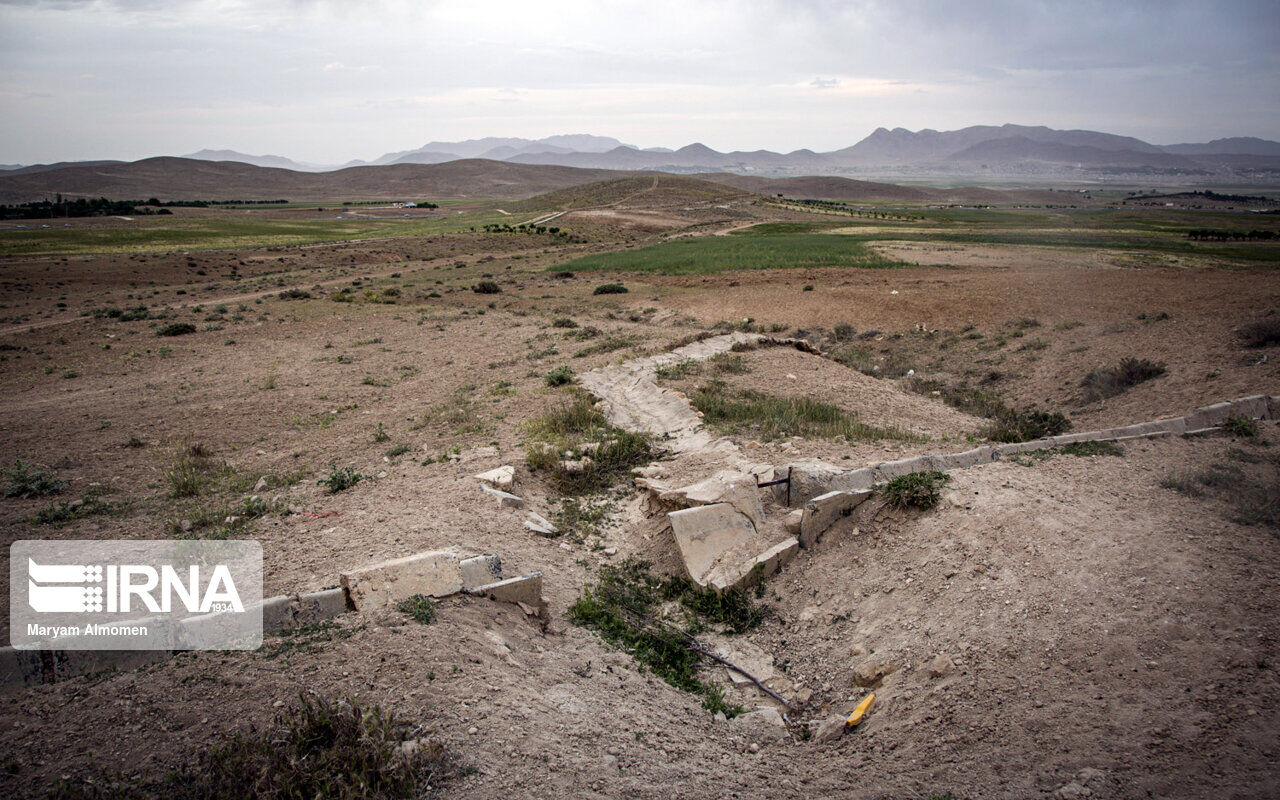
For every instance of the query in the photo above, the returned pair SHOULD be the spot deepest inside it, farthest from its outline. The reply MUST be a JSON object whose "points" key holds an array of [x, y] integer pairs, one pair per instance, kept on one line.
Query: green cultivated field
{"points": [[713, 254], [151, 234]]}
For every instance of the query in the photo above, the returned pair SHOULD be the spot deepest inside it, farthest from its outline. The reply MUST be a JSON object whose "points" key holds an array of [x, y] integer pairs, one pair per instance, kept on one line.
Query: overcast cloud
{"points": [[328, 81]]}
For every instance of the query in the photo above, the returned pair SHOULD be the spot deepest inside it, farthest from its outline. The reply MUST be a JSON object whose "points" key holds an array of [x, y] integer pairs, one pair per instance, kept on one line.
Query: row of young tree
{"points": [[1218, 235]]}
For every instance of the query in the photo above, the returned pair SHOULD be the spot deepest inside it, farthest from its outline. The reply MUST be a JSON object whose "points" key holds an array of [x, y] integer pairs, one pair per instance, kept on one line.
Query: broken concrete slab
{"points": [[480, 571], [738, 489], [525, 591], [888, 470], [705, 534], [822, 511], [855, 480], [320, 605], [539, 524], [505, 499], [433, 574], [499, 478], [1209, 416], [793, 521], [829, 729], [757, 568], [810, 477], [1254, 406]]}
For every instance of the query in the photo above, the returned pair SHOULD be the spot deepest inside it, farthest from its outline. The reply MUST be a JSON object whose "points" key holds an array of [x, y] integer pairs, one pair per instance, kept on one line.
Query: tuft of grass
{"points": [[1092, 449], [1261, 333], [294, 294], [320, 748], [626, 608], [678, 370], [486, 287], [419, 608], [773, 417], [563, 322], [1008, 424], [920, 490], [176, 329], [1242, 426], [339, 480], [576, 431], [729, 364], [610, 288], [27, 481], [1107, 382], [607, 345], [90, 505], [192, 471], [560, 376]]}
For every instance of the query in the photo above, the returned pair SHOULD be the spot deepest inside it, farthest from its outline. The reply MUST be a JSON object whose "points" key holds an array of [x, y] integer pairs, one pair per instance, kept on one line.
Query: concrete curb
{"points": [[1200, 421]]}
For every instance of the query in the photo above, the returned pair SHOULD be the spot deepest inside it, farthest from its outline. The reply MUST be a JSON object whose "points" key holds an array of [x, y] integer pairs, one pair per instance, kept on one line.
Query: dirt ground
{"points": [[1100, 634]]}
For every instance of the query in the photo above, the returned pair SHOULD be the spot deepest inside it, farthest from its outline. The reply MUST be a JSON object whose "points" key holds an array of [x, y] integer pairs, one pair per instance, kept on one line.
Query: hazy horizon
{"points": [[327, 82]]}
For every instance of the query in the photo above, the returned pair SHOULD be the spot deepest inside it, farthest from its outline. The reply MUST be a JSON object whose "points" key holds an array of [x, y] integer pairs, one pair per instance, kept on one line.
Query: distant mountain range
{"points": [[980, 152]]}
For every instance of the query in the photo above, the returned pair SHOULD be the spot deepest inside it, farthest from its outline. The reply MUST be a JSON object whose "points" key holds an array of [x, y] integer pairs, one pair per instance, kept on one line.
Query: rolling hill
{"points": [[189, 179]]}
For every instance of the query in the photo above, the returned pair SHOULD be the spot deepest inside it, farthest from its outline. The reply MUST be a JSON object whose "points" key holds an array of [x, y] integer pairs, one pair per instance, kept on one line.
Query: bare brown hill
{"points": [[648, 190], [192, 179], [822, 187]]}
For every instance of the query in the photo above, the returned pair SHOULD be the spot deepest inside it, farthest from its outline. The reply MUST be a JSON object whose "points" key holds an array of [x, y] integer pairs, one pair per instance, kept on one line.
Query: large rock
{"points": [[705, 534], [433, 574]]}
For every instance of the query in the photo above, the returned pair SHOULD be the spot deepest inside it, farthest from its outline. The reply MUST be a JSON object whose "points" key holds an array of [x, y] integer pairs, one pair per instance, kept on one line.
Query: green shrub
{"points": [[176, 329], [294, 294], [915, 490], [339, 480], [1107, 382], [419, 608], [560, 376], [563, 322], [1243, 426], [27, 481], [610, 288], [1008, 424], [486, 287], [624, 608]]}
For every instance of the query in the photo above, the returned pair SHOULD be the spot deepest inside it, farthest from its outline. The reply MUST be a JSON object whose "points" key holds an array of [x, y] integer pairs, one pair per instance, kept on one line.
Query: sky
{"points": [[326, 81]]}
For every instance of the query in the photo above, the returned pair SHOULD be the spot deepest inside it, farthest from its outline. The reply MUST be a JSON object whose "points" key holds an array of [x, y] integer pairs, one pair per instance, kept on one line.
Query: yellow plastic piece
{"points": [[860, 711]]}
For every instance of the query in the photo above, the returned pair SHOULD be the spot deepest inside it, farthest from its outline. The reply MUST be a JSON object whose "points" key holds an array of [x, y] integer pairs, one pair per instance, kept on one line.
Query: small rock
{"points": [[473, 730], [611, 551], [802, 698], [261, 485], [185, 525], [872, 671], [1072, 791], [753, 747], [504, 499], [792, 521], [829, 730], [941, 666], [278, 704], [382, 473], [576, 465], [609, 762]]}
